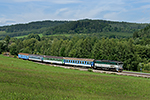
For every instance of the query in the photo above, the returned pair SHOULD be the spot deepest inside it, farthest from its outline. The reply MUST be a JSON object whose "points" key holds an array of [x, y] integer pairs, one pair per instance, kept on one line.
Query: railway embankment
{"points": [[124, 73]]}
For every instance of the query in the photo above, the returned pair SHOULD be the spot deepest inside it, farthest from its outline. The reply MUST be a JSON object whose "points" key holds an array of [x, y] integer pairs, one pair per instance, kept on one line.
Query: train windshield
{"points": [[120, 65]]}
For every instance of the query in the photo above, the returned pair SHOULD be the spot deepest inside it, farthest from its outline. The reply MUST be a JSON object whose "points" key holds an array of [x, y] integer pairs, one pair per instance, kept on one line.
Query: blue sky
{"points": [[24, 11]]}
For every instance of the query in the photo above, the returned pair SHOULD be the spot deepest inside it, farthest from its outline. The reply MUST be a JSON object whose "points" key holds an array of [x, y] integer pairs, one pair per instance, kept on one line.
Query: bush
{"points": [[15, 56], [147, 67], [140, 66], [90, 70]]}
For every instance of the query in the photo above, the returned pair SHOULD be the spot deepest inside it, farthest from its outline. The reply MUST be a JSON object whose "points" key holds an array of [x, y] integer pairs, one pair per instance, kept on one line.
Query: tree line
{"points": [[134, 53]]}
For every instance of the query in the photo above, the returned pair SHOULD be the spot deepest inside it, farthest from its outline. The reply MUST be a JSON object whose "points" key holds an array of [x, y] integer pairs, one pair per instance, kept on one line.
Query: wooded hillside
{"points": [[142, 33], [85, 26]]}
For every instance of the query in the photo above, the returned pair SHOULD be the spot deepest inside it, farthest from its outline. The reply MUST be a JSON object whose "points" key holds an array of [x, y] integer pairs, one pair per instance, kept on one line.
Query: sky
{"points": [[25, 11]]}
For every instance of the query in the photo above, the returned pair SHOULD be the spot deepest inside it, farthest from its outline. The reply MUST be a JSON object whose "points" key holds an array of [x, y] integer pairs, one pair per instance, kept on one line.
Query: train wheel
{"points": [[94, 67]]}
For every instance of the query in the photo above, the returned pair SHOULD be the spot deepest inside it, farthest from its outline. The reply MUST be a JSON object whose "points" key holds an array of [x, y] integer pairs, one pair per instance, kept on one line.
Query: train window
{"points": [[82, 62], [88, 62]]}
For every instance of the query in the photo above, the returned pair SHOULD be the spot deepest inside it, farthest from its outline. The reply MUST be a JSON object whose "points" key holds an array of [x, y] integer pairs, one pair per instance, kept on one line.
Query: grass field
{"points": [[106, 34], [2, 32], [18, 37], [41, 35], [22, 79]]}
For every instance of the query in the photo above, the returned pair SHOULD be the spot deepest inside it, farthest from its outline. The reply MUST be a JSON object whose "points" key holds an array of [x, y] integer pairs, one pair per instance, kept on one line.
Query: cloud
{"points": [[145, 7], [66, 1], [26, 0], [4, 21], [112, 15], [61, 10], [142, 1]]}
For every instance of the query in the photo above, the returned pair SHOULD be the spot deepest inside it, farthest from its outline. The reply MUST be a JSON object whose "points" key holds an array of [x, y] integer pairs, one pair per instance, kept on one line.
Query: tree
{"points": [[7, 38], [63, 48], [13, 49], [56, 45], [30, 44], [36, 36], [135, 35], [3, 46]]}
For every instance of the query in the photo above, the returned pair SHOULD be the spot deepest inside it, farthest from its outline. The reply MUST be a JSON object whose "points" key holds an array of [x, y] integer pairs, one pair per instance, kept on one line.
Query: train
{"points": [[81, 62]]}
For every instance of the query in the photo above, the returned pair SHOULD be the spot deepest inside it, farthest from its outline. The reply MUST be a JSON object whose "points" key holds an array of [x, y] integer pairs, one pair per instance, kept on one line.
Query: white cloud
{"points": [[26, 0], [145, 7], [144, 20], [4, 21], [61, 10], [142, 1], [66, 1]]}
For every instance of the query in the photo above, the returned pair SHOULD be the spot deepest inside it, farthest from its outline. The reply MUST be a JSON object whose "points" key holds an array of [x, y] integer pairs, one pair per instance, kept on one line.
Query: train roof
{"points": [[52, 57], [24, 54], [110, 61], [80, 59], [35, 55]]}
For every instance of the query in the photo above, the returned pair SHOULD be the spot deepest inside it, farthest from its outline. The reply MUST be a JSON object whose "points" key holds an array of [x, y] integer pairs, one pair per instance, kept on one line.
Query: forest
{"points": [[133, 51], [142, 33], [85, 26]]}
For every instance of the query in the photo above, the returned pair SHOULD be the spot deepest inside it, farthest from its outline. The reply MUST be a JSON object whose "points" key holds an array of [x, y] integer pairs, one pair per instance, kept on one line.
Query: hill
{"points": [[85, 26], [95, 26], [21, 79], [25, 29], [143, 33]]}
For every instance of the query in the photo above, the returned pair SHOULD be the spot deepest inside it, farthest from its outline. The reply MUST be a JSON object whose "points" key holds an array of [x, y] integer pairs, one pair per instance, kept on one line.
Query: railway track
{"points": [[125, 73]]}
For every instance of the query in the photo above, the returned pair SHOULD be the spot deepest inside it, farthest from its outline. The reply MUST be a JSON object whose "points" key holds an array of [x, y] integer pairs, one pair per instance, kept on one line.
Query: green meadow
{"points": [[18, 37], [26, 80], [2, 32], [102, 34]]}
